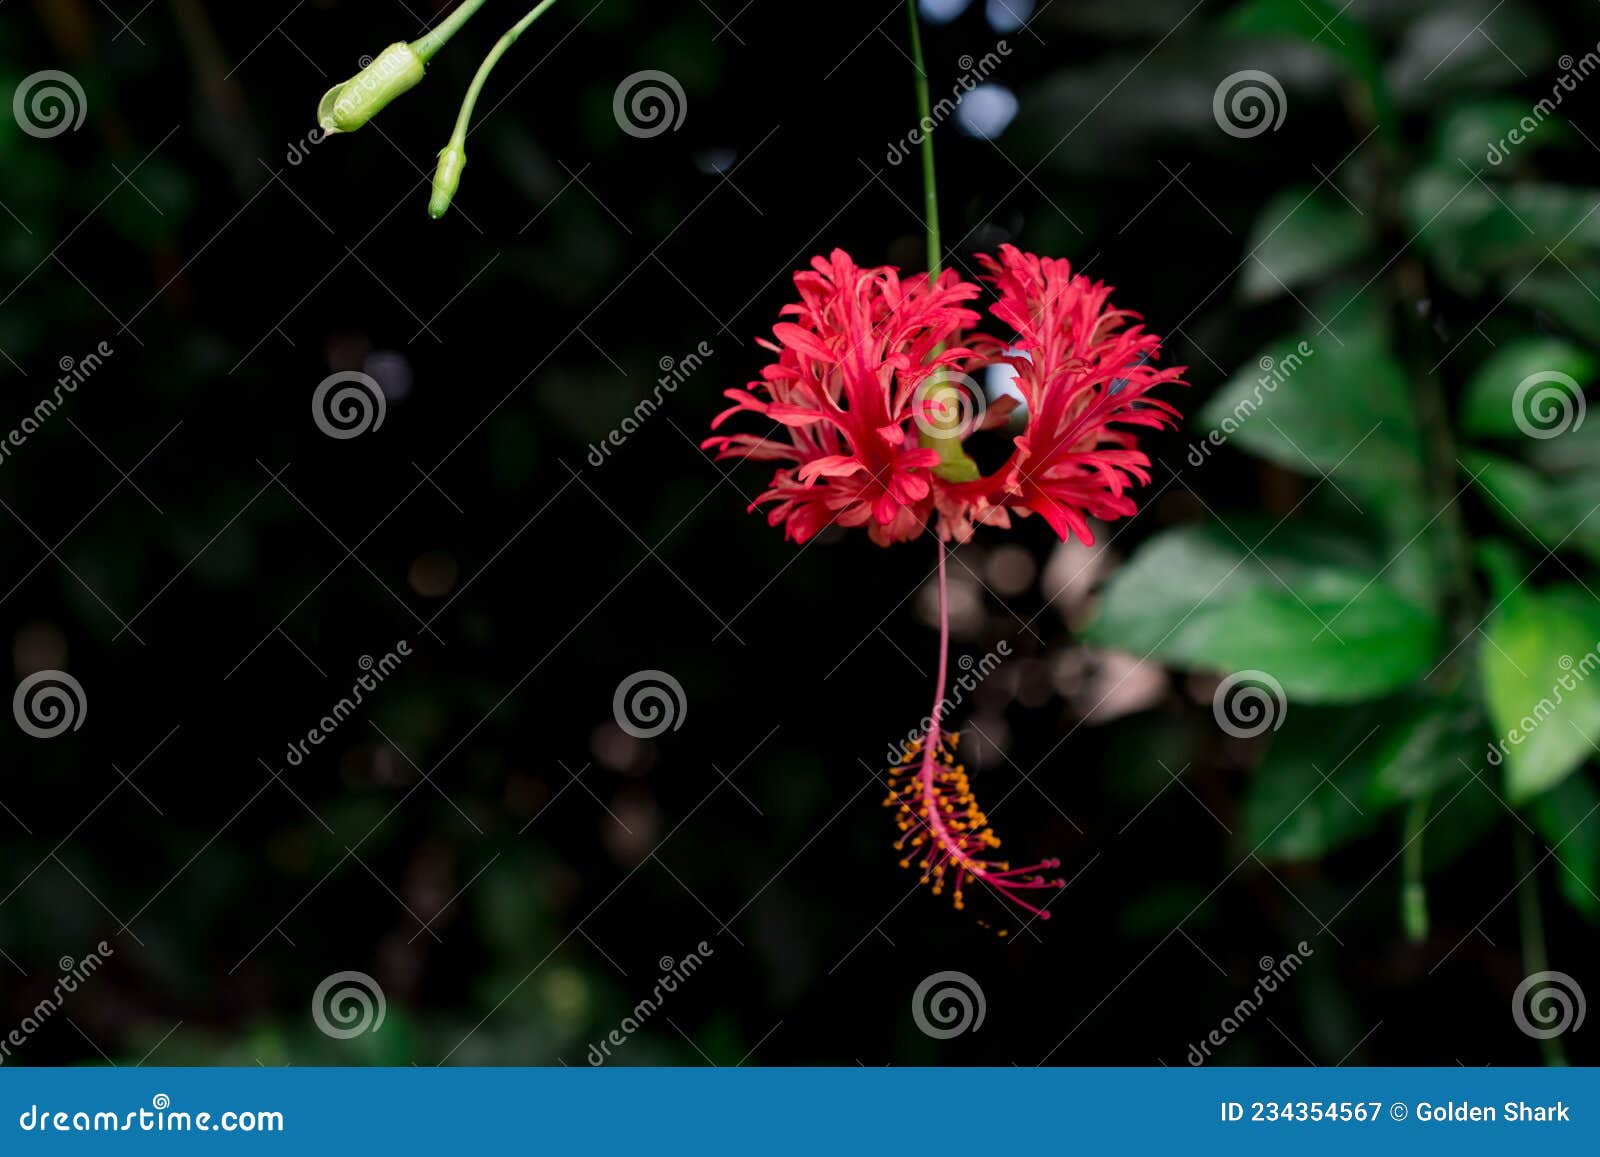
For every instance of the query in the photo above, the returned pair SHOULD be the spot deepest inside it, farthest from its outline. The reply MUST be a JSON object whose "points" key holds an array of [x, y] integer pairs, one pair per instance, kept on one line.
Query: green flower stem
{"points": [[453, 157], [930, 187], [954, 463], [426, 45], [1413, 892], [1534, 956]]}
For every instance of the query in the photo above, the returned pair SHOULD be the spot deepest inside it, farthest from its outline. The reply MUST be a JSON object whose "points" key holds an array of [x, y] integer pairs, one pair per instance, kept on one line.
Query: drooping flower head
{"points": [[869, 378], [848, 388]]}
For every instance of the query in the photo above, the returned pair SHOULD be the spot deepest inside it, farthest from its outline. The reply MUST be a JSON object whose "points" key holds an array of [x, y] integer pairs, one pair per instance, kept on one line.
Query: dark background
{"points": [[255, 560]]}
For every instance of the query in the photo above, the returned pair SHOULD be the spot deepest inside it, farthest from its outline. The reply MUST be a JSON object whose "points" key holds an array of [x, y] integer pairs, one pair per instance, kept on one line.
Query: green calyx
{"points": [[346, 107], [955, 464]]}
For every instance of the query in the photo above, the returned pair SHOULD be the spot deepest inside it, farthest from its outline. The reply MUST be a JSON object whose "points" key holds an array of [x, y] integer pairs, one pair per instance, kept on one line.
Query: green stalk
{"points": [[430, 42], [1413, 892], [1534, 956], [453, 157], [930, 186], [954, 463]]}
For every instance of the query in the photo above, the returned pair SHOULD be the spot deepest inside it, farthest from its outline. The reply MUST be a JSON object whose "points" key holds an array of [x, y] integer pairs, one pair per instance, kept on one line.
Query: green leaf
{"points": [[1575, 452], [1309, 609], [1568, 295], [1490, 405], [1465, 46], [1566, 816], [1478, 132], [1537, 661], [1306, 798], [1330, 27], [1303, 233], [1317, 406], [1434, 743], [1556, 514], [1473, 232]]}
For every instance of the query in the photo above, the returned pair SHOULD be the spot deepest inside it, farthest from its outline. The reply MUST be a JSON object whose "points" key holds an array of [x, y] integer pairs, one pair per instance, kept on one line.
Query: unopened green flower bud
{"points": [[346, 107], [447, 177]]}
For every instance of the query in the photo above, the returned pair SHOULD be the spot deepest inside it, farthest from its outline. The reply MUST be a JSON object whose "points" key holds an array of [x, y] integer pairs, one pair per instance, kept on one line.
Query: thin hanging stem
{"points": [[430, 42], [954, 463], [1535, 958], [464, 117], [930, 189], [929, 771], [453, 157], [944, 658], [1413, 892]]}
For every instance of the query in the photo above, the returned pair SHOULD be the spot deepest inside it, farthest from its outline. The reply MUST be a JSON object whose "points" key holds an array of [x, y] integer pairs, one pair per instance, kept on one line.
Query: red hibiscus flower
{"points": [[871, 394]]}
